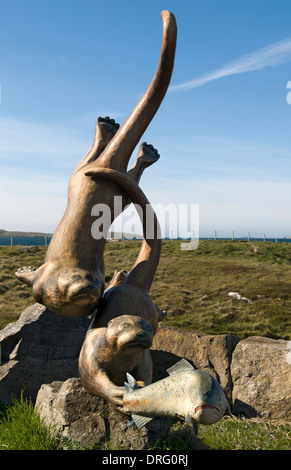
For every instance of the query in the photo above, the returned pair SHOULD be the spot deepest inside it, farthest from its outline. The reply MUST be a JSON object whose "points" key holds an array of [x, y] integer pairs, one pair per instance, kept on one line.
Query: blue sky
{"points": [[223, 129]]}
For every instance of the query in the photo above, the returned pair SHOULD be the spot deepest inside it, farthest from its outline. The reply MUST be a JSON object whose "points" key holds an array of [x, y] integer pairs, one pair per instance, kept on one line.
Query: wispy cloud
{"points": [[274, 54]]}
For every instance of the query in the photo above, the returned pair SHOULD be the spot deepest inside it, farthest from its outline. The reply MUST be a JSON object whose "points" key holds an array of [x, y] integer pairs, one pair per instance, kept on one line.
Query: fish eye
{"points": [[216, 395]]}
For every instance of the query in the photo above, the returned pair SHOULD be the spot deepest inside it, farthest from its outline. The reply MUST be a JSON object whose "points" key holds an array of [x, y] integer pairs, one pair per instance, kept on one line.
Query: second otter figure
{"points": [[109, 353]]}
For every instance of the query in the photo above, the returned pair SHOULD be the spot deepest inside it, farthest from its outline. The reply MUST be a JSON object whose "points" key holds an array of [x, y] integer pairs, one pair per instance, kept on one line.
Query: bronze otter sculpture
{"points": [[102, 363], [109, 353], [71, 281]]}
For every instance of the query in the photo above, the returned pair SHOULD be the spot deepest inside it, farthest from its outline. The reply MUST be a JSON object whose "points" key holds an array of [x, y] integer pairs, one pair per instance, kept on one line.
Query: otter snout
{"points": [[142, 333], [84, 294], [79, 287]]}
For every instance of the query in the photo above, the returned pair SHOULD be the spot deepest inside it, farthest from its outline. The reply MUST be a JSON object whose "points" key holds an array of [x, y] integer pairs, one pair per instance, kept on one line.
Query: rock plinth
{"points": [[211, 353], [90, 420], [261, 374], [38, 348]]}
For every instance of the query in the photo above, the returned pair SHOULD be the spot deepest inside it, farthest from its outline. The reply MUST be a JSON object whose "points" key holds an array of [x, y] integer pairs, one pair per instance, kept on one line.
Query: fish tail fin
{"points": [[140, 421], [131, 383]]}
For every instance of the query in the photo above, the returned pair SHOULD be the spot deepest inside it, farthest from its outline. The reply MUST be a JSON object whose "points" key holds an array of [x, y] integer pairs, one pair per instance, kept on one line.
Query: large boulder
{"points": [[261, 374], [89, 421], [211, 353], [38, 348]]}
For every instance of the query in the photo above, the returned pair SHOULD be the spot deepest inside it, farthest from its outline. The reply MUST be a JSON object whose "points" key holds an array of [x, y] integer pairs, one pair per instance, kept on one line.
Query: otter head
{"points": [[69, 292], [129, 332]]}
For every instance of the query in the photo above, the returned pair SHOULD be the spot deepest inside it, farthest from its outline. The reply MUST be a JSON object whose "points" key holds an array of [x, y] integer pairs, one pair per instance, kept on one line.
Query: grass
{"points": [[14, 295], [192, 286], [231, 433], [22, 429], [239, 434]]}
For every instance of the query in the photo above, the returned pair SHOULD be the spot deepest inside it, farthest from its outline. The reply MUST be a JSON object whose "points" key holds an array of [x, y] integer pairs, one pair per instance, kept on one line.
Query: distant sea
{"points": [[41, 241], [24, 241]]}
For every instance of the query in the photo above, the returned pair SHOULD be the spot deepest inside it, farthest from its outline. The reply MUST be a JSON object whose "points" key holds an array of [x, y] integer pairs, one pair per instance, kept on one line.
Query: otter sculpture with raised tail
{"points": [[71, 281], [113, 342]]}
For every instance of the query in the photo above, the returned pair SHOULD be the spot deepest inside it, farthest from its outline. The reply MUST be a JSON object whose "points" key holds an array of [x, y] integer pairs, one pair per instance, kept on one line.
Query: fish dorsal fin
{"points": [[131, 383], [140, 421], [181, 366]]}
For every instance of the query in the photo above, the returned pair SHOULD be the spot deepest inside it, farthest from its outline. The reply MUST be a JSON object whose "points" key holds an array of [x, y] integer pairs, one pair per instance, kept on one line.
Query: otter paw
{"points": [[26, 269], [105, 123], [115, 396], [148, 154], [121, 410]]}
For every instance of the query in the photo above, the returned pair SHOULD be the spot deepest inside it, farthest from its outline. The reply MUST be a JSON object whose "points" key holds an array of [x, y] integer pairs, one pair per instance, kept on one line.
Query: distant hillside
{"points": [[127, 236], [6, 233]]}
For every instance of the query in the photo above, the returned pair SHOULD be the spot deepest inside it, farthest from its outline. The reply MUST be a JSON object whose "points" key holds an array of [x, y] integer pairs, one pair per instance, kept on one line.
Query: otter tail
{"points": [[144, 269], [118, 151]]}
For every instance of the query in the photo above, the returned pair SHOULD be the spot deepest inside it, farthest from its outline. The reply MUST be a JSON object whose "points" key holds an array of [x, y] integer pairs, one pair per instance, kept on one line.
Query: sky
{"points": [[223, 128]]}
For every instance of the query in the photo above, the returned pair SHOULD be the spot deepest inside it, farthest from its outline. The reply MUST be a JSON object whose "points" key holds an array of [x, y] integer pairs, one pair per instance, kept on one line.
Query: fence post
{"points": [[11, 240]]}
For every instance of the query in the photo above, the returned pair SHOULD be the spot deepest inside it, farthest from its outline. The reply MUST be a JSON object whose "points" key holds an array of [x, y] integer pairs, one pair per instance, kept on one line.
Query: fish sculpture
{"points": [[188, 394]]}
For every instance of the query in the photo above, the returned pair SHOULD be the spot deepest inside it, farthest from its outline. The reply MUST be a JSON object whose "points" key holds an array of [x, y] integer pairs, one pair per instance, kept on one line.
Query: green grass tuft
{"points": [[22, 429], [241, 434]]}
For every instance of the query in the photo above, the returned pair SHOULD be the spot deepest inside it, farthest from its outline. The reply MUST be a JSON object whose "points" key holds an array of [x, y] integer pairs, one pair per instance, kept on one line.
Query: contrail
{"points": [[269, 56]]}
